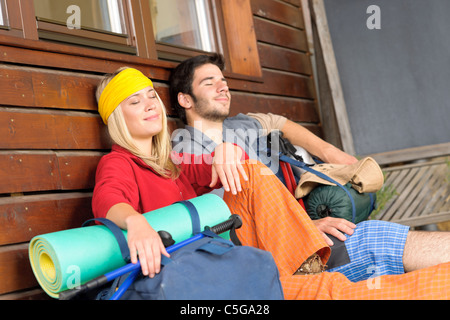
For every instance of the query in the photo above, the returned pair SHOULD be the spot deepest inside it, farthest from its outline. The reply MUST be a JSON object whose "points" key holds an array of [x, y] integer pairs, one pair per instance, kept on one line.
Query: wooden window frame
{"points": [[87, 37], [179, 53], [235, 39], [21, 18], [234, 30], [241, 40], [2, 11]]}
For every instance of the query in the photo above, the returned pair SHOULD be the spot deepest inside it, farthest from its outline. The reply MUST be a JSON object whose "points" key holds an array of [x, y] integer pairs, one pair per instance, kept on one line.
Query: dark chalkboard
{"points": [[395, 79]]}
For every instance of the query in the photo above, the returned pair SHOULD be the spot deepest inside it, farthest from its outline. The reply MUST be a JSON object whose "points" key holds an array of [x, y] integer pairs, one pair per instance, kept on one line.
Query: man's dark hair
{"points": [[182, 77]]}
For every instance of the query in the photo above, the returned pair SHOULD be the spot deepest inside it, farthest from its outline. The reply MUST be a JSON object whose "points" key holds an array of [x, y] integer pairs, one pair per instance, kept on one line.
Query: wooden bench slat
{"points": [[34, 129], [423, 193], [412, 154], [401, 181], [42, 88], [15, 264], [413, 190], [28, 171], [25, 217], [390, 177], [77, 169], [430, 192], [432, 200], [400, 184], [421, 221], [444, 204], [417, 196], [24, 172], [22, 86]]}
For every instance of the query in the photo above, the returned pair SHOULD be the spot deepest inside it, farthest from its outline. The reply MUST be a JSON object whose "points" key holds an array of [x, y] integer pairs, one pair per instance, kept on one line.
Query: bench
{"points": [[421, 193], [419, 188]]}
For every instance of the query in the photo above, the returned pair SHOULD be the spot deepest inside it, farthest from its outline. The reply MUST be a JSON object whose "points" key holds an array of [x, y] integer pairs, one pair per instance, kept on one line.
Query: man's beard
{"points": [[209, 113]]}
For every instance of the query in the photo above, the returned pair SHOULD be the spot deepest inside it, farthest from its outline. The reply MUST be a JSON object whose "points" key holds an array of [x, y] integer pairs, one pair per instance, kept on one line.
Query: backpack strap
{"points": [[287, 153], [195, 218], [118, 234], [323, 176]]}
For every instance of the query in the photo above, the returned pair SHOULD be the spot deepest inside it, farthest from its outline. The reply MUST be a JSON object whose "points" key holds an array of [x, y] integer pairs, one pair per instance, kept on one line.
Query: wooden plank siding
{"points": [[52, 136], [285, 60]]}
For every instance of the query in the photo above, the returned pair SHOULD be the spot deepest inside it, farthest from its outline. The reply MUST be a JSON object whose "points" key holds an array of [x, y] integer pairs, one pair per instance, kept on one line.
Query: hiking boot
{"points": [[312, 265]]}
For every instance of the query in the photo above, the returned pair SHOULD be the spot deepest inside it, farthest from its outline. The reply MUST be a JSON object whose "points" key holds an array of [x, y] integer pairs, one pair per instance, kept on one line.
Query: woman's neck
{"points": [[145, 146]]}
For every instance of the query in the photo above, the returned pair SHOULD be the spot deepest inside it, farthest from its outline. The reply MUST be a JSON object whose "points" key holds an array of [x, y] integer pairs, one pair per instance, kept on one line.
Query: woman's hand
{"points": [[226, 166], [143, 241], [146, 243]]}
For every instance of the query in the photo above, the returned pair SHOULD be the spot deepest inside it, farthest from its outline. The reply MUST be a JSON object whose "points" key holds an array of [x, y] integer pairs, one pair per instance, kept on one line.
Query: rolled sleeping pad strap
{"points": [[65, 259], [118, 234], [195, 218]]}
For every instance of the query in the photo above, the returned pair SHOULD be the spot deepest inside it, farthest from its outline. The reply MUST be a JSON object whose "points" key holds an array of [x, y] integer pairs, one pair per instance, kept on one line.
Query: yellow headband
{"points": [[123, 85]]}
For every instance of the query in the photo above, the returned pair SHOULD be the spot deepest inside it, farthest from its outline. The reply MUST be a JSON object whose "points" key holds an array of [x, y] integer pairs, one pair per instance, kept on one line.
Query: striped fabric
{"points": [[274, 221], [375, 249]]}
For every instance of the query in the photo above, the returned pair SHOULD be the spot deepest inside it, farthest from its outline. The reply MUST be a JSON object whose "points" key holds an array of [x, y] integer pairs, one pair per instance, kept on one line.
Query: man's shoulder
{"points": [[241, 121], [192, 141]]}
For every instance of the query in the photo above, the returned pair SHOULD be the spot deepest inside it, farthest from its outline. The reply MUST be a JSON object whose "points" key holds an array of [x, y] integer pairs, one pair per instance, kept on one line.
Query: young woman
{"points": [[138, 175], [142, 174]]}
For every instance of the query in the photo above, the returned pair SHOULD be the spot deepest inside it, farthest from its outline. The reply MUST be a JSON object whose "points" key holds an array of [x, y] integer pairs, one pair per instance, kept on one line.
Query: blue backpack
{"points": [[210, 268]]}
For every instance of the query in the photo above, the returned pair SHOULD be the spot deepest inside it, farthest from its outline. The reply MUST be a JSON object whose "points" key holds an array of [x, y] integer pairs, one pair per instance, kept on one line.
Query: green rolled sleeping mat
{"points": [[332, 201], [65, 259]]}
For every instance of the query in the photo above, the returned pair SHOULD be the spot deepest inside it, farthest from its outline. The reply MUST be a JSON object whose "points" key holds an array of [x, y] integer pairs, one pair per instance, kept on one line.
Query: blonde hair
{"points": [[159, 159]]}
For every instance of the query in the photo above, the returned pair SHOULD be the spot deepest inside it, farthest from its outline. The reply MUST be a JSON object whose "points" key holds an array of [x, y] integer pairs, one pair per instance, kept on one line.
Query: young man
{"points": [[206, 115], [199, 92]]}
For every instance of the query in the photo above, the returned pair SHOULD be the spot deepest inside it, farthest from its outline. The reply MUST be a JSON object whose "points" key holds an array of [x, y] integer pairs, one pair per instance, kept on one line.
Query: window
{"points": [[170, 30], [99, 15], [181, 26], [185, 23], [96, 23], [3, 15]]}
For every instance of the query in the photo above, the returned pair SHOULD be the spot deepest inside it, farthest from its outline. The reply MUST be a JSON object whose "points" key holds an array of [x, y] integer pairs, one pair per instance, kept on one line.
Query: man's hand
{"points": [[336, 227], [227, 165]]}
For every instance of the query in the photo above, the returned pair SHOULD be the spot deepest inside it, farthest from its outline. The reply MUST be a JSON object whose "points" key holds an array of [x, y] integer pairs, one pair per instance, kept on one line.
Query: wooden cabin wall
{"points": [[52, 137], [288, 85]]}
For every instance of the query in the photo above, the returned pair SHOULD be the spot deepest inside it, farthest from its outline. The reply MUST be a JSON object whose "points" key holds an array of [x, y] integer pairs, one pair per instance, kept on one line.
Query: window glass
{"points": [[185, 23], [100, 15], [3, 14]]}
